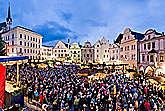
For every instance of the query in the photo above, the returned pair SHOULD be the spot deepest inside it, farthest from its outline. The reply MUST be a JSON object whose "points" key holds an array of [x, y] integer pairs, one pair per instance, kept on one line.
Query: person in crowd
{"points": [[62, 89]]}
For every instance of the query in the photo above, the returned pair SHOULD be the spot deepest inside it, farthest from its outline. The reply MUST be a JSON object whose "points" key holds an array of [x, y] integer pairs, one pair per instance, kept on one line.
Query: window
{"points": [[20, 50], [12, 42], [12, 36], [105, 51], [153, 45], [132, 47], [64, 50], [121, 56], [61, 55], [74, 52], [113, 51], [58, 50], [20, 35], [65, 55], [97, 56], [78, 55], [87, 55], [78, 51], [61, 50], [31, 44], [104, 56], [97, 50], [144, 46], [97, 45], [128, 37], [33, 39], [149, 46], [147, 57], [55, 50], [36, 45], [127, 47], [27, 50], [25, 43], [143, 58], [24, 50], [28, 37], [161, 58], [89, 50], [151, 58], [121, 49], [107, 56], [125, 56], [12, 49], [91, 55], [24, 36], [74, 56], [20, 42]]}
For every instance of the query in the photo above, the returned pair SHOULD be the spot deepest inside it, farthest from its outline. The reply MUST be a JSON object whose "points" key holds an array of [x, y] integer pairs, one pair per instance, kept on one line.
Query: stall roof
{"points": [[12, 58]]}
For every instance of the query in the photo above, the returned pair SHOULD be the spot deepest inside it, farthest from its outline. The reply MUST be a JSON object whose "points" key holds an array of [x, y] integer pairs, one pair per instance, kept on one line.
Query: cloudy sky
{"points": [[82, 20]]}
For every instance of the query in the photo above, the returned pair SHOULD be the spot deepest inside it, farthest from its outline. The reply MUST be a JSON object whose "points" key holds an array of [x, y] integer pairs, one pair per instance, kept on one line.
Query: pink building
{"points": [[152, 50]]}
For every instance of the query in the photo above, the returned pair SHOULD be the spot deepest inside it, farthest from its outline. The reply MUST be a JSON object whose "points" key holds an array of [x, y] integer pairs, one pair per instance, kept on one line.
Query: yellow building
{"points": [[75, 52]]}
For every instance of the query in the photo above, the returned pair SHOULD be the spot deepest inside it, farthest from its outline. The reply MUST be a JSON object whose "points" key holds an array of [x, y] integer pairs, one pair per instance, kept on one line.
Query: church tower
{"points": [[9, 19]]}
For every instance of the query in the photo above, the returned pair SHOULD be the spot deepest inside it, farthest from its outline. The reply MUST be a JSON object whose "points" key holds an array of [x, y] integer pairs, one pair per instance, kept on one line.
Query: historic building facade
{"points": [[102, 52], [114, 53], [23, 42], [152, 49], [47, 53], [61, 51], [75, 52], [87, 53], [129, 47]]}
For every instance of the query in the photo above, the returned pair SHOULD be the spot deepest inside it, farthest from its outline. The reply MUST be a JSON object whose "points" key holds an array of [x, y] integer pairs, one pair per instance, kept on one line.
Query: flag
{"points": [[2, 85]]}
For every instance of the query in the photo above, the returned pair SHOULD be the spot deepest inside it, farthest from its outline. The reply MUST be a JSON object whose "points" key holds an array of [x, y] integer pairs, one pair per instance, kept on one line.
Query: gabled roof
{"points": [[62, 43], [3, 24], [137, 35], [119, 38]]}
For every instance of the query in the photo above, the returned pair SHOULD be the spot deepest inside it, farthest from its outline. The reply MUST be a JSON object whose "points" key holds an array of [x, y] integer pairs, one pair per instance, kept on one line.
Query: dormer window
{"points": [[97, 45], [149, 36]]}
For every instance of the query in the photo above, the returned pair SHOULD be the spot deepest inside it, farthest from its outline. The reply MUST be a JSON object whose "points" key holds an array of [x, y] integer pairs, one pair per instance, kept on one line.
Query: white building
{"points": [[114, 53], [75, 52], [23, 41], [102, 52], [61, 51], [47, 53]]}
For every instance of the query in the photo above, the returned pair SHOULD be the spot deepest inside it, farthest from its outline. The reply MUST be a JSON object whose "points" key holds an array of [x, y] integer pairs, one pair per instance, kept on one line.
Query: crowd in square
{"points": [[60, 89]]}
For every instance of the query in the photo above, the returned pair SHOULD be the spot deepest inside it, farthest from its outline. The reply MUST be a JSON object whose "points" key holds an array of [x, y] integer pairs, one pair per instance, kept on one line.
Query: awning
{"points": [[13, 58]]}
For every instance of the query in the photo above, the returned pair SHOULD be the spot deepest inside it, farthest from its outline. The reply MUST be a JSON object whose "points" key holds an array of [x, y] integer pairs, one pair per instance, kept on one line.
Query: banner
{"points": [[2, 85]]}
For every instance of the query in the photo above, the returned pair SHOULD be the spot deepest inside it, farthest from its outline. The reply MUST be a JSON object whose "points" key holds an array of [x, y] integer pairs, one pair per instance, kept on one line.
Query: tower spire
{"points": [[9, 19]]}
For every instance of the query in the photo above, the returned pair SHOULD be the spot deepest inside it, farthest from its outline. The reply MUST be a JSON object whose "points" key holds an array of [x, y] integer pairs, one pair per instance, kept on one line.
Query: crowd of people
{"points": [[60, 89]]}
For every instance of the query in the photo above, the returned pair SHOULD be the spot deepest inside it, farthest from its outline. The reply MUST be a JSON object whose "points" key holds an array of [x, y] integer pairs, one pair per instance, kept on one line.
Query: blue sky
{"points": [[82, 20]]}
